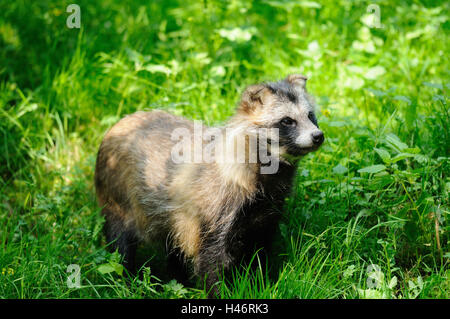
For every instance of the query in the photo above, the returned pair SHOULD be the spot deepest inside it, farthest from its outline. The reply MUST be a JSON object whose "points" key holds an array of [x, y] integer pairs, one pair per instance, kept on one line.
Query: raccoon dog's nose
{"points": [[317, 137]]}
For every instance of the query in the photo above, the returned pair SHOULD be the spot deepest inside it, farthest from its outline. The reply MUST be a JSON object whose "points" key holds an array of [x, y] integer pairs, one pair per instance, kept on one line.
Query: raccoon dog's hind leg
{"points": [[121, 239]]}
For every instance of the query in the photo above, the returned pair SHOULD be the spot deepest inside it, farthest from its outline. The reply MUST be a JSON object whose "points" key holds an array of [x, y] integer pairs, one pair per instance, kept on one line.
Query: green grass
{"points": [[377, 192]]}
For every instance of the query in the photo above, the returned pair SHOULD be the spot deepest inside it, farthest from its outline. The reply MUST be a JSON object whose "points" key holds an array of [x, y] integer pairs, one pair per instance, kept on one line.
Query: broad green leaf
{"points": [[385, 156], [395, 142], [372, 169], [289, 5], [412, 150], [434, 85], [310, 4], [401, 156], [371, 294], [354, 82], [109, 120], [377, 92], [375, 72], [217, 71], [402, 98], [393, 282], [157, 68], [110, 267], [367, 46], [118, 268], [349, 271], [237, 34], [439, 97], [339, 169], [304, 173], [106, 268], [416, 33], [363, 213], [420, 282]]}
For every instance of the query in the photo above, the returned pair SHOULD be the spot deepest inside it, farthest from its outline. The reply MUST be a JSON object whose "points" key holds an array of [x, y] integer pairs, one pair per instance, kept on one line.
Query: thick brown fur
{"points": [[211, 214]]}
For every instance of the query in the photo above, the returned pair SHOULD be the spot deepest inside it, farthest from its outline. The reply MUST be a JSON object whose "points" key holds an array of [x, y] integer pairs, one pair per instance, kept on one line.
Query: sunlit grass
{"points": [[376, 193]]}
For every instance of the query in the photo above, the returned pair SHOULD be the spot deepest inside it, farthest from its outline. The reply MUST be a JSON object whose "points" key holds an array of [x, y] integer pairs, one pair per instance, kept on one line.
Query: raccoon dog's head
{"points": [[287, 106]]}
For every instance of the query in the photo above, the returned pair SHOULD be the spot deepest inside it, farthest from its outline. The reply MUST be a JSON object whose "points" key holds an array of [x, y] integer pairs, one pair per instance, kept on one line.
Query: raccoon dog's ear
{"points": [[255, 96], [297, 80]]}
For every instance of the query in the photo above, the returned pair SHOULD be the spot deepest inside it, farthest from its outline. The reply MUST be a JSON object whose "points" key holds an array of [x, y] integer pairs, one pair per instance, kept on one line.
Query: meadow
{"points": [[369, 214]]}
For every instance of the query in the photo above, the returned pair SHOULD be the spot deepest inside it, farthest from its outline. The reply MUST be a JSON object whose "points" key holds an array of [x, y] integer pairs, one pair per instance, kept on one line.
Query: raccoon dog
{"points": [[210, 215]]}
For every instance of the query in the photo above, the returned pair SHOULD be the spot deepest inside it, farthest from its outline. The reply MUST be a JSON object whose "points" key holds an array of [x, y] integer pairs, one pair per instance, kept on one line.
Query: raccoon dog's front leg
{"points": [[212, 260], [177, 266]]}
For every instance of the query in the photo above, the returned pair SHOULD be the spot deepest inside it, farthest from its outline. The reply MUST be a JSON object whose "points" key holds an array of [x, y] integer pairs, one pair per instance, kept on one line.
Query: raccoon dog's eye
{"points": [[312, 117], [287, 121]]}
